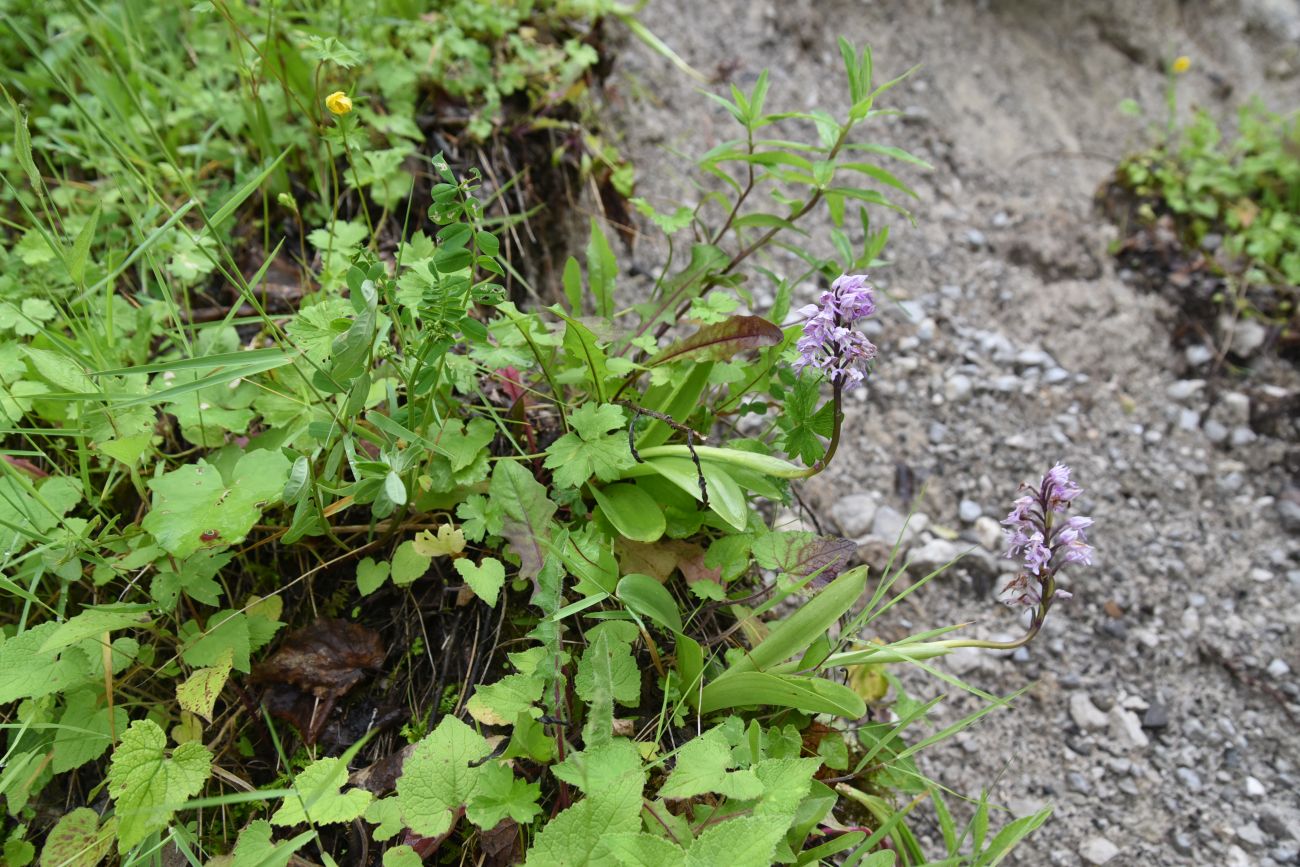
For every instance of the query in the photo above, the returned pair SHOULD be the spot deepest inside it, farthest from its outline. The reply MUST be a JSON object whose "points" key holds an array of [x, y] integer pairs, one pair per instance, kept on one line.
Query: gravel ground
{"points": [[1162, 723]]}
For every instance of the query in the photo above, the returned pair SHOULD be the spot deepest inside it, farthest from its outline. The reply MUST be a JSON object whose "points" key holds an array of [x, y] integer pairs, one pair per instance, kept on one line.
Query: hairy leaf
{"points": [[438, 777], [320, 798], [146, 786]]}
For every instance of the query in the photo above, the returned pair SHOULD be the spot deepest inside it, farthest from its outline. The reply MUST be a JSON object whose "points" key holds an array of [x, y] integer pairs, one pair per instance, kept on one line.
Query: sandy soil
{"points": [[1162, 723]]}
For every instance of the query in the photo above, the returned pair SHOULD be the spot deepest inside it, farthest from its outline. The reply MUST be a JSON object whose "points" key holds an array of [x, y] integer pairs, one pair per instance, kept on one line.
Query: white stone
{"points": [[958, 388], [1098, 851], [1278, 668], [854, 514], [1085, 714], [1254, 788], [1184, 389], [989, 533], [969, 511], [1126, 729]]}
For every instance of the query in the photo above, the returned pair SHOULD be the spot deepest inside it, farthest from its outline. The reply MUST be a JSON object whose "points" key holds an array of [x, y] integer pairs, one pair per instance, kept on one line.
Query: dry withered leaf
{"points": [[501, 845], [314, 668]]}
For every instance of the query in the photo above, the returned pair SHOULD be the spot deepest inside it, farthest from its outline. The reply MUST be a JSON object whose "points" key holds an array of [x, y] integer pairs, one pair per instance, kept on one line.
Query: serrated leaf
{"points": [[438, 778], [644, 850], [500, 703], [601, 768], [193, 508], [387, 815], [25, 672], [704, 765], [256, 848], [576, 457], [76, 840], [722, 341], [499, 794], [799, 554], [320, 797], [606, 672], [198, 694], [93, 622], [486, 579], [575, 837], [84, 732], [147, 786], [746, 841]]}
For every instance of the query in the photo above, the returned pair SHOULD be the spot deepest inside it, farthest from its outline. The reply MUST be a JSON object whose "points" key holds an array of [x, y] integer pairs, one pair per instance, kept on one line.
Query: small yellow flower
{"points": [[339, 102], [1182, 63]]}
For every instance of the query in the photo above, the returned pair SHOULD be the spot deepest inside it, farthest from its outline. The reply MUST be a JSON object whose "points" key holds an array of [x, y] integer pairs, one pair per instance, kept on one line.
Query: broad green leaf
{"points": [[528, 512], [371, 575], [601, 768], [799, 554], [704, 765], [77, 840], [26, 672], [84, 729], [320, 798], [387, 815], [500, 703], [644, 850], [649, 598], [589, 450], [632, 512], [193, 508], [198, 694], [606, 672], [438, 778], [402, 856], [94, 621], [725, 497], [255, 847], [409, 565], [147, 786], [746, 841], [499, 794], [486, 579], [575, 837]]}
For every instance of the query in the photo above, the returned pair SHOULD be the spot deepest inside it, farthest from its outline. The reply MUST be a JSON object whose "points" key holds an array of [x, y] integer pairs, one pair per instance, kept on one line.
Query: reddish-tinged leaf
{"points": [[723, 340], [800, 554]]}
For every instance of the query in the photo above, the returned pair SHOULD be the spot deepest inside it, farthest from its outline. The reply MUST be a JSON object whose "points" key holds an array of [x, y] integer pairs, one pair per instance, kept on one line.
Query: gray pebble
{"points": [[969, 511], [1184, 389], [1189, 778], [1097, 851]]}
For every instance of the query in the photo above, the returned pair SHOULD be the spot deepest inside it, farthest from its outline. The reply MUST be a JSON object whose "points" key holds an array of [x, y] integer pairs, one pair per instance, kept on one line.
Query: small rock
{"points": [[1278, 668], [1237, 857], [1234, 408], [1254, 788], [1034, 358], [1275, 826], [1189, 419], [1198, 354], [1098, 851], [939, 432], [1183, 843], [1262, 576], [989, 533], [1247, 335], [974, 237], [1078, 783], [965, 660], [958, 388], [1215, 432], [1251, 835], [1126, 729], [1021, 655], [934, 554], [1242, 436], [888, 523], [1184, 389], [1085, 714], [1006, 383], [1288, 512], [1056, 375], [1156, 716], [854, 514], [969, 511], [1190, 779]]}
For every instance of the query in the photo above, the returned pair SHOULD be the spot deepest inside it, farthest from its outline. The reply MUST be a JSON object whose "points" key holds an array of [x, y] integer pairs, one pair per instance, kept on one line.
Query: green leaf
{"points": [[649, 598], [746, 841], [795, 633], [809, 694], [500, 703], [596, 770], [800, 554], [146, 786], [606, 672], [528, 512], [409, 565], [387, 815], [76, 840], [438, 778], [632, 512], [193, 508], [255, 848], [26, 672], [486, 579], [371, 575], [725, 497], [723, 340], [320, 798], [499, 794], [94, 621], [84, 730], [602, 271], [402, 856], [198, 694], [703, 765], [589, 450], [575, 837]]}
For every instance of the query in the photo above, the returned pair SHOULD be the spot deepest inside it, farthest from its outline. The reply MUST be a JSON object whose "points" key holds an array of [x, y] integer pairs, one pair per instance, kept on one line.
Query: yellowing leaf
{"points": [[320, 798], [146, 786], [448, 541], [485, 579], [77, 840], [198, 694]]}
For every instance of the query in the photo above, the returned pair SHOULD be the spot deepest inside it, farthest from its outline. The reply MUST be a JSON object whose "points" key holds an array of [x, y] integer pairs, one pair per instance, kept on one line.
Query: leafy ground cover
{"points": [[1215, 216], [389, 567]]}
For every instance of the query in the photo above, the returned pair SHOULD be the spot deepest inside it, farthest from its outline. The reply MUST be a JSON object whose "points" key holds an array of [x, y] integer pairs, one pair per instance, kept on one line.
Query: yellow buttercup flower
{"points": [[338, 102], [1182, 63]]}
